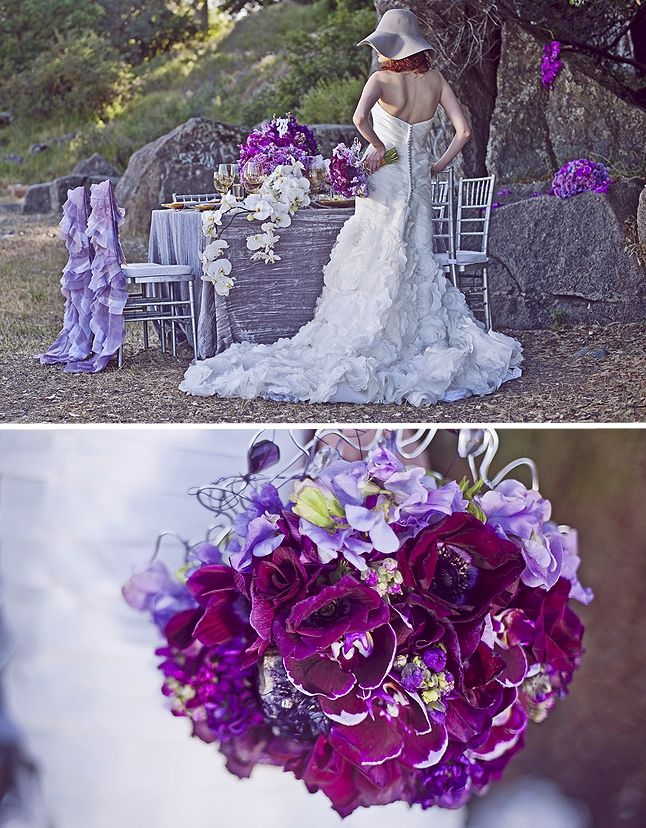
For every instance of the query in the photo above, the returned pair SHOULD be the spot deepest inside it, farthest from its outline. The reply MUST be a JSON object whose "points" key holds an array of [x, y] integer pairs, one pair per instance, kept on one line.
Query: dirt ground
{"points": [[605, 383]]}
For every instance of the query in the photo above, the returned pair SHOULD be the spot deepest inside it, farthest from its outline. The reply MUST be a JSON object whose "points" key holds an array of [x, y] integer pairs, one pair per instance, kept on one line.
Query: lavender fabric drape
{"points": [[268, 301], [74, 341], [108, 282]]}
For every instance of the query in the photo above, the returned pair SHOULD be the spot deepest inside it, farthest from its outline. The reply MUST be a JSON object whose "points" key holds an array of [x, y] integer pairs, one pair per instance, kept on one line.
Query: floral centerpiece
{"points": [[385, 634], [282, 193], [348, 173], [581, 176], [280, 141]]}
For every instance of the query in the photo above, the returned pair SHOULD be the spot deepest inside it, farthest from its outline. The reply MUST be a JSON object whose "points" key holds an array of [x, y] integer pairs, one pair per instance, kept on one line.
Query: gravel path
{"points": [[605, 383]]}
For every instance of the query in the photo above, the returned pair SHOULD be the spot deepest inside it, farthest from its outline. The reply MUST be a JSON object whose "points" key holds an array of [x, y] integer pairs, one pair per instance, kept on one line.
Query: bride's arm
{"points": [[361, 118], [452, 107]]}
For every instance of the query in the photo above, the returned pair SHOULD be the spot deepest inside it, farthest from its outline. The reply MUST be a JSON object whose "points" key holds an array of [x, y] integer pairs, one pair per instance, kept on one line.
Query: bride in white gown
{"points": [[388, 327]]}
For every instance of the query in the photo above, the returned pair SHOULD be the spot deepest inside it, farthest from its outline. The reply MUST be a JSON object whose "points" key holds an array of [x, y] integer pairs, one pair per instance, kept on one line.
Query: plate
{"points": [[209, 205], [328, 201], [178, 205]]}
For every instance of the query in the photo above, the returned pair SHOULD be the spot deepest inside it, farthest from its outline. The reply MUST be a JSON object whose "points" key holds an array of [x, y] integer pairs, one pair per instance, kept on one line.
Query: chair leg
{"points": [[485, 298], [120, 357], [172, 294], [454, 276], [191, 298], [145, 324], [162, 324]]}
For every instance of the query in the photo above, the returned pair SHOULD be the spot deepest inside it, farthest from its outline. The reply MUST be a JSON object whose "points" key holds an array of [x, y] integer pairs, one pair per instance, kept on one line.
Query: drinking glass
{"points": [[252, 176], [223, 178], [317, 175]]}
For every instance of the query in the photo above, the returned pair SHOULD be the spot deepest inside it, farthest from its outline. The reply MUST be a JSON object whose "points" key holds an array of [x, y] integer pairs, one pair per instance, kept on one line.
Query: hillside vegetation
{"points": [[284, 56]]}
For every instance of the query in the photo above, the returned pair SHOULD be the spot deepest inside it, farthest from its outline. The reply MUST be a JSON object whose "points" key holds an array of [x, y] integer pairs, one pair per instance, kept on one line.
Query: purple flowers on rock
{"points": [[551, 65], [386, 635], [580, 176]]}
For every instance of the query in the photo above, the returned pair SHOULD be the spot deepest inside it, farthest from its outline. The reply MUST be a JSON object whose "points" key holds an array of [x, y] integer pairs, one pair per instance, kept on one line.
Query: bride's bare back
{"points": [[412, 97]]}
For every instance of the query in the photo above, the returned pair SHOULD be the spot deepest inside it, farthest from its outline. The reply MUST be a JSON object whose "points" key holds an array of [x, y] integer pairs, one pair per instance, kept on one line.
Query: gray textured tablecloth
{"points": [[267, 301]]}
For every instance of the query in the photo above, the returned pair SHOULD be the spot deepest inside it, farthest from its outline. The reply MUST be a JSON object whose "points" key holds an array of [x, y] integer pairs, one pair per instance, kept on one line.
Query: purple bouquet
{"points": [[279, 141], [580, 176], [551, 65], [348, 174], [385, 635]]}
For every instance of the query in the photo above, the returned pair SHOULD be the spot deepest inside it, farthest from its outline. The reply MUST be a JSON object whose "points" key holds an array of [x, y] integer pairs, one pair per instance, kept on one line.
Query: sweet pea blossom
{"points": [[524, 514]]}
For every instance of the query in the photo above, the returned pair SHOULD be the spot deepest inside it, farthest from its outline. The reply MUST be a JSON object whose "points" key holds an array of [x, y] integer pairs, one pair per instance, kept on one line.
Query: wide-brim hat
{"points": [[397, 36]]}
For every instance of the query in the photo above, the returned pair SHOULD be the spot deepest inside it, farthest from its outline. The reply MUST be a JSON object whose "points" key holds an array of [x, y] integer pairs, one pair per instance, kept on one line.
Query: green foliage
{"points": [[311, 58], [79, 76], [331, 101], [27, 28], [140, 30], [225, 76]]}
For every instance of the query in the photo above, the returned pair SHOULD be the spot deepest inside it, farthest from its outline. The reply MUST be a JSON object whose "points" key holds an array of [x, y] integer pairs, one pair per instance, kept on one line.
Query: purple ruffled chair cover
{"points": [[108, 284], [74, 342]]}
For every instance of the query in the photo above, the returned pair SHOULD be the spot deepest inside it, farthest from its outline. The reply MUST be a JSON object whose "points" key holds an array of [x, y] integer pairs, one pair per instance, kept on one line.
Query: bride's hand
{"points": [[437, 168], [375, 158]]}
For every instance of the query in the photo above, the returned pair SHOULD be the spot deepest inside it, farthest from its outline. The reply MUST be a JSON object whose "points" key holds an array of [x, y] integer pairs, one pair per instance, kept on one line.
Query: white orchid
{"points": [[282, 124], [214, 250], [211, 220], [259, 206], [282, 193], [258, 240]]}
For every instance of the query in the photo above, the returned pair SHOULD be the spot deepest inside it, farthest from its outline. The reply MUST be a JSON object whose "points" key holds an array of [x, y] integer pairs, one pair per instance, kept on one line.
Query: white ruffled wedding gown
{"points": [[388, 325]]}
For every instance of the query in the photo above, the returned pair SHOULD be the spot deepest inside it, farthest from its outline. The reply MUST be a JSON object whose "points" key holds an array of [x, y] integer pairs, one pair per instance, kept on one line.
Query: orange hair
{"points": [[419, 62]]}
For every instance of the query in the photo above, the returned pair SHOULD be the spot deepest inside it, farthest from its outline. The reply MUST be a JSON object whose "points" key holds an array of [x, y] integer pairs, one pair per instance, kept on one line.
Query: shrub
{"points": [[331, 52], [331, 101], [79, 76]]}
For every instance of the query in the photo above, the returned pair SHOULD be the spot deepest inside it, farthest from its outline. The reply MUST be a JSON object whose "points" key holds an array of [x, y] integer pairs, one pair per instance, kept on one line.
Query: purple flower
{"points": [[373, 522], [153, 590], [550, 65], [567, 540], [347, 173], [257, 529], [515, 509], [331, 544], [279, 141], [318, 621], [521, 513], [580, 176]]}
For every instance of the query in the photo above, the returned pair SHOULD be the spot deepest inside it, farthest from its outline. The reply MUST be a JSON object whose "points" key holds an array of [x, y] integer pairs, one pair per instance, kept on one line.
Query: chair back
{"points": [[442, 205], [195, 198], [475, 196]]}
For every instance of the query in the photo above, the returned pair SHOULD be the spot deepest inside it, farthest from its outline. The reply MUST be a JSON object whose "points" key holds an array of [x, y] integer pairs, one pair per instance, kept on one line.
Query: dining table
{"points": [[267, 301]]}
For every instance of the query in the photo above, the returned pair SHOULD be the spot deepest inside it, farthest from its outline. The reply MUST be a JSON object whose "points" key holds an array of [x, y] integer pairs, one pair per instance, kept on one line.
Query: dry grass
{"points": [[557, 385]]}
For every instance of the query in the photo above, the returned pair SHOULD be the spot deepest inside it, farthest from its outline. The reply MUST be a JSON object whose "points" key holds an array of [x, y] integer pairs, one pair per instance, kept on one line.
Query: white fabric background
{"points": [[79, 509]]}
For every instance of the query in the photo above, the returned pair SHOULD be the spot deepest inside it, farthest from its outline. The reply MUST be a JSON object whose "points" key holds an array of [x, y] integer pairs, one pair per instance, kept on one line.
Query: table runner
{"points": [[268, 301]]}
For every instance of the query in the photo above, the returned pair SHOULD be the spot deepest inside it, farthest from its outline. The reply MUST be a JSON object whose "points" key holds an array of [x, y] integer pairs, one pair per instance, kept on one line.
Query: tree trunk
{"points": [[202, 14]]}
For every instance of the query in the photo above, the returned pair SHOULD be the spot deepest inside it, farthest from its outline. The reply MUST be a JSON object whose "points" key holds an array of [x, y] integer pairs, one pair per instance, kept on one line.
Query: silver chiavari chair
{"points": [[442, 204], [195, 198], [475, 197]]}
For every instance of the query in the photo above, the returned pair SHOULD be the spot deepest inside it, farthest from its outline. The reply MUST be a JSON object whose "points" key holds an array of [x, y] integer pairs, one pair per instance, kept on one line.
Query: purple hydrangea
{"points": [[580, 176], [279, 141]]}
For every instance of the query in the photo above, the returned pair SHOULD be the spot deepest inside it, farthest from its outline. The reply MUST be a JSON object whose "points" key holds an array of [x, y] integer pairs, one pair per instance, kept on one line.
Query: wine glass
{"points": [[252, 176], [223, 178], [317, 175]]}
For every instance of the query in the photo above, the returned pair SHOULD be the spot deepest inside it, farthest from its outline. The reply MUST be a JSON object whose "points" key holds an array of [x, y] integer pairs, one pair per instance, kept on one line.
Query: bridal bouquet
{"points": [[386, 634], [278, 142], [348, 173]]}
